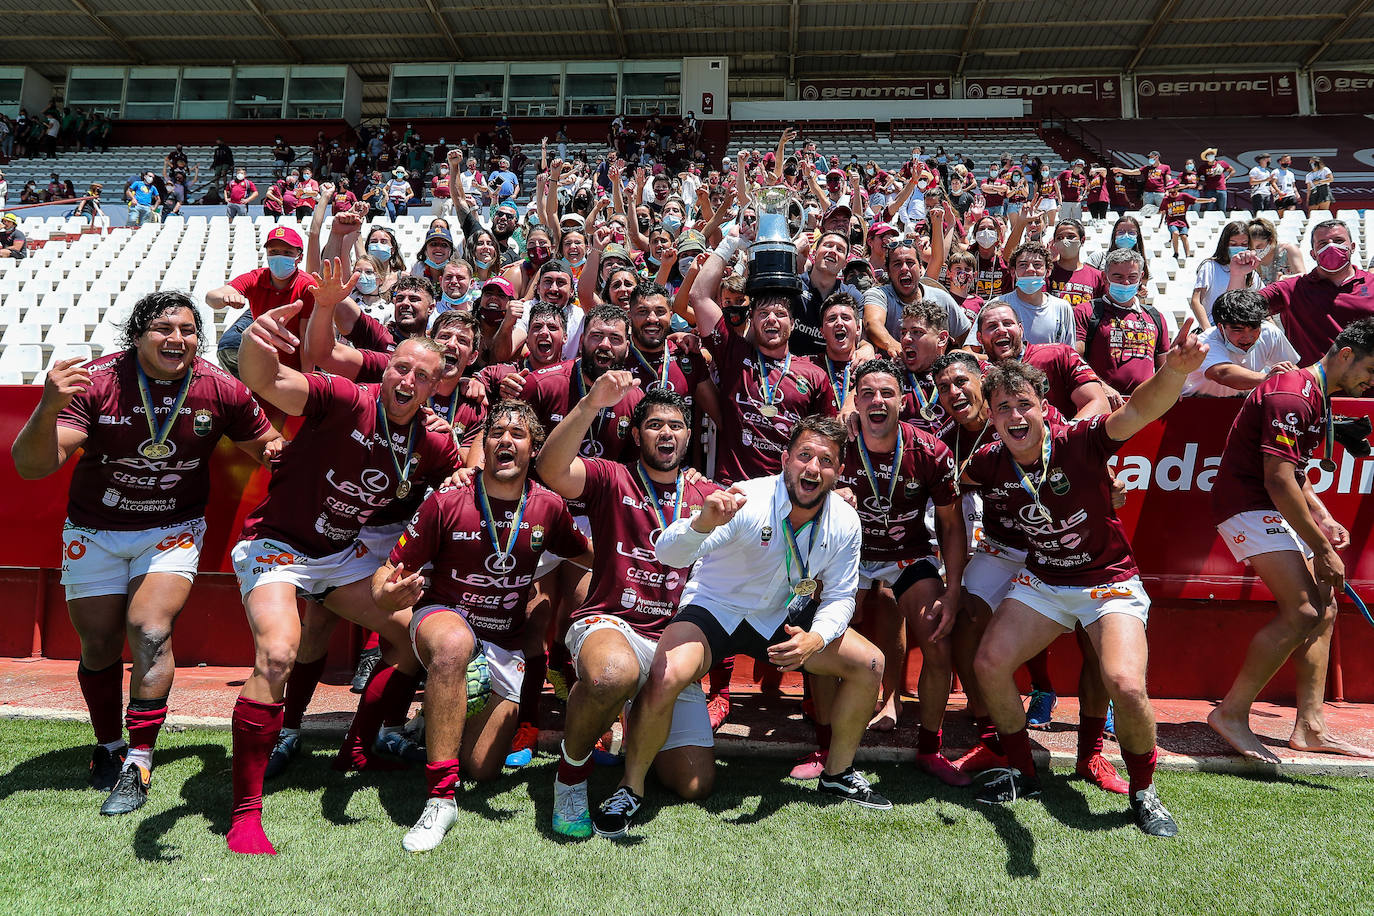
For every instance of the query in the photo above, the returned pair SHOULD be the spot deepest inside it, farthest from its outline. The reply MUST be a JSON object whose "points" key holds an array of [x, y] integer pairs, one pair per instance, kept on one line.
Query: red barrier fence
{"points": [[1169, 468]]}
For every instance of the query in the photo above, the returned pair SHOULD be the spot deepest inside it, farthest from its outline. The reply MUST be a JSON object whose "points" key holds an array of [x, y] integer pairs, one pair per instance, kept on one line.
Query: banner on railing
{"points": [[915, 88], [1074, 96], [1343, 91]]}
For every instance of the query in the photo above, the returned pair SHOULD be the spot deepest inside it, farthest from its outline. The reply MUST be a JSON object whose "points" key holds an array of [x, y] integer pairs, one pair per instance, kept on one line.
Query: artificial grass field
{"points": [[761, 844]]}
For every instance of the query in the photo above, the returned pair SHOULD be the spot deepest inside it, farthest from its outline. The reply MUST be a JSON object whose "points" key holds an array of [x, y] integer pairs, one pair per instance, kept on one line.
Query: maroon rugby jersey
{"points": [[553, 391], [1284, 416], [685, 370], [370, 334], [339, 471], [751, 445], [1064, 369], [114, 487], [627, 580], [940, 422], [1083, 543], [927, 473], [450, 532]]}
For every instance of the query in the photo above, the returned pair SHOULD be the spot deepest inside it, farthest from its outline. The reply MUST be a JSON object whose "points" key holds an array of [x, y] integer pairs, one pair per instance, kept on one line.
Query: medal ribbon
{"points": [[924, 402], [793, 550], [649, 367], [1330, 422], [959, 466], [1034, 488], [595, 432], [402, 472], [652, 492], [160, 431], [867, 460], [485, 505], [768, 390], [842, 389]]}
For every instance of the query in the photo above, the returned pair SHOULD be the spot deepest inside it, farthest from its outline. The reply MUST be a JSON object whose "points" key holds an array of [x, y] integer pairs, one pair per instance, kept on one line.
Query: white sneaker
{"points": [[435, 821]]}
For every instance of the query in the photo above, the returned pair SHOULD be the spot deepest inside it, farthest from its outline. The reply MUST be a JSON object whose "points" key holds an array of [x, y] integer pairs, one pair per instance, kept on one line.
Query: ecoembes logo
{"points": [[1188, 472]]}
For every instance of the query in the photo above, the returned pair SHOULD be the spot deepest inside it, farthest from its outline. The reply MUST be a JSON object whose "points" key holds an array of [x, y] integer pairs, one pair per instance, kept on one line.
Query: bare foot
{"points": [[885, 720], [1239, 736], [1321, 743]]}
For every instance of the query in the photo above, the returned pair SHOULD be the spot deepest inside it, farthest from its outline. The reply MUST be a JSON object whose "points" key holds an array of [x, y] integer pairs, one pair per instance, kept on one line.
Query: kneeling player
{"points": [[148, 418], [1053, 483], [613, 635], [484, 542]]}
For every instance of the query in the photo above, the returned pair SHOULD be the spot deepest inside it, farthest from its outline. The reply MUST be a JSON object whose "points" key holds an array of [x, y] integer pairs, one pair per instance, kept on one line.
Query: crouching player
{"points": [[1053, 482], [613, 635], [484, 542]]}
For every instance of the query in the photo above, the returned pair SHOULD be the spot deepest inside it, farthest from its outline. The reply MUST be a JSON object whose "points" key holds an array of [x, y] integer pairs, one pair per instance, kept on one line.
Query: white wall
{"points": [[702, 76]]}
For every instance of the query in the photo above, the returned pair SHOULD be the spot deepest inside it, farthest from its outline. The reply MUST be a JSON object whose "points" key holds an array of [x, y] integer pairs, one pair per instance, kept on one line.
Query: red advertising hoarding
{"points": [[1074, 96], [1183, 95], [1343, 91], [915, 88]]}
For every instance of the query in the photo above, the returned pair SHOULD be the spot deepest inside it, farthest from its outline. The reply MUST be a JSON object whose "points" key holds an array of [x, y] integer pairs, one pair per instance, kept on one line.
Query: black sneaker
{"points": [[287, 747], [400, 746], [612, 819], [1007, 785], [1150, 814], [105, 766], [130, 792], [367, 663], [853, 787]]}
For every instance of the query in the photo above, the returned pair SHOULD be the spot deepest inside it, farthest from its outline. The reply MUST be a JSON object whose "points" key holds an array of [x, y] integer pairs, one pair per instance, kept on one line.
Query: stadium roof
{"points": [[763, 38]]}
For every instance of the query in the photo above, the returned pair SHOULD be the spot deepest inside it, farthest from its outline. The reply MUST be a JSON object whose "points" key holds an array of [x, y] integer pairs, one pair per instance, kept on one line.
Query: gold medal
{"points": [[806, 587], [155, 450], [768, 410], [403, 489]]}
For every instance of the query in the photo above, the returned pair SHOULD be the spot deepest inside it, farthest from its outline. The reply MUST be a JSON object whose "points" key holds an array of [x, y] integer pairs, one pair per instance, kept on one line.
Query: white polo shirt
{"points": [[1271, 347]]}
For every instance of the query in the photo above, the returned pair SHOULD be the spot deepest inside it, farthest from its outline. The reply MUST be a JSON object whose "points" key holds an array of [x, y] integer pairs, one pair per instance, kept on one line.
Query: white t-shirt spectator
{"points": [[1271, 348], [4, 192], [1213, 280], [1321, 174], [399, 189], [1052, 322], [1259, 182], [1288, 182]]}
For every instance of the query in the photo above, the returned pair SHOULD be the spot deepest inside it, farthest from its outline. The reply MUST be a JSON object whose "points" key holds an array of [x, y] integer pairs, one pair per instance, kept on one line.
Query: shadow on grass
{"points": [[206, 793], [62, 770]]}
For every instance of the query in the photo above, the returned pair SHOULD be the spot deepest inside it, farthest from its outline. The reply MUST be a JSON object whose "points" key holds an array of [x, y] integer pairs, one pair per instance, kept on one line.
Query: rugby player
{"points": [[147, 419], [613, 634], [1053, 483], [304, 536], [1273, 521], [484, 542]]}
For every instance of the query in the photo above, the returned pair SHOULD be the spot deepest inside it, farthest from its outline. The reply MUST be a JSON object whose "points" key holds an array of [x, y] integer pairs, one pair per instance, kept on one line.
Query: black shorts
{"points": [[1286, 201], [744, 641], [1320, 194], [924, 568]]}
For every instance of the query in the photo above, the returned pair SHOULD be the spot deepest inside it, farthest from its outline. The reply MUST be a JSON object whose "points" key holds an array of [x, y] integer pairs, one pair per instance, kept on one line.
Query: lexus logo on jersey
{"points": [[375, 480], [498, 564]]}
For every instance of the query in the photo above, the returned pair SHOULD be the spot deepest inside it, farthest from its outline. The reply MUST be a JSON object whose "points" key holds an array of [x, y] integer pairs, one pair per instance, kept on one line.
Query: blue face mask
{"points": [[367, 284], [672, 224], [281, 265], [1122, 292], [1030, 285], [579, 263], [1124, 241], [454, 303], [1233, 250], [380, 252], [433, 264]]}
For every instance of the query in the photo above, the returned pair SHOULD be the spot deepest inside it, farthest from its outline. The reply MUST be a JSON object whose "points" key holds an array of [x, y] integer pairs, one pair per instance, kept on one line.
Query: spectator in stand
{"points": [[1190, 182], [1070, 187], [1244, 348], [30, 195], [1263, 188], [1070, 279], [175, 196], [88, 207], [143, 198], [1231, 260], [274, 201], [6, 139], [1045, 318], [4, 188], [1316, 306], [961, 278], [1319, 181], [398, 194], [1047, 190], [12, 240], [54, 190], [222, 160], [995, 192], [1276, 259], [50, 134], [1122, 338], [440, 190], [1156, 175], [1285, 186], [1174, 213], [307, 194], [1125, 234], [281, 282], [1099, 193], [239, 193], [374, 195], [504, 182]]}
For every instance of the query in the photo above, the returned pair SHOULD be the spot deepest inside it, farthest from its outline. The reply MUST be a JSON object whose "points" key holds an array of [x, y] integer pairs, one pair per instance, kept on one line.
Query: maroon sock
{"points": [[1039, 668], [443, 778], [300, 688], [823, 737], [1140, 768], [103, 691], [987, 733], [255, 728], [927, 741], [144, 720], [570, 774], [1090, 736], [373, 641], [719, 677], [386, 690], [532, 688], [1018, 750]]}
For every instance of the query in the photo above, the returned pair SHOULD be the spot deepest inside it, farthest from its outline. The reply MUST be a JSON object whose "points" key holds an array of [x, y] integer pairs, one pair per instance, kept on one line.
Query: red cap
{"points": [[835, 173], [284, 234], [501, 284]]}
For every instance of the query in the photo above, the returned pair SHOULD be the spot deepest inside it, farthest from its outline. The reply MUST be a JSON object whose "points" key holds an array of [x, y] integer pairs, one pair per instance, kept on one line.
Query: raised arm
{"points": [[559, 465], [42, 446], [260, 365], [1159, 392]]}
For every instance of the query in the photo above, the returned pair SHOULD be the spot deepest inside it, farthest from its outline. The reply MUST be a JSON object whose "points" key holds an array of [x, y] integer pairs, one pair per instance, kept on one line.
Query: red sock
{"points": [[144, 724], [373, 641], [1140, 768], [987, 733], [300, 687], [386, 690], [103, 691], [1090, 736], [256, 727], [443, 778], [1039, 668], [569, 773], [1018, 750], [719, 677], [532, 687], [927, 741], [823, 737]]}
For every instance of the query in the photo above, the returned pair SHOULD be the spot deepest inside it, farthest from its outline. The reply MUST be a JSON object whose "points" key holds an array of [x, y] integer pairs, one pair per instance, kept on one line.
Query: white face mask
{"points": [[986, 237]]}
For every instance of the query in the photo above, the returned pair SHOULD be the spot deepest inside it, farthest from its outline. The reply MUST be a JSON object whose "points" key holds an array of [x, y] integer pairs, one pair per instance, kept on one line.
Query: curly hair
{"points": [[153, 306]]}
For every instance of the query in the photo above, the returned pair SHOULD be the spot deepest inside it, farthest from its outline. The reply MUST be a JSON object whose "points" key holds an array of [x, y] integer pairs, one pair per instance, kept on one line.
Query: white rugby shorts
{"points": [[98, 562]]}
